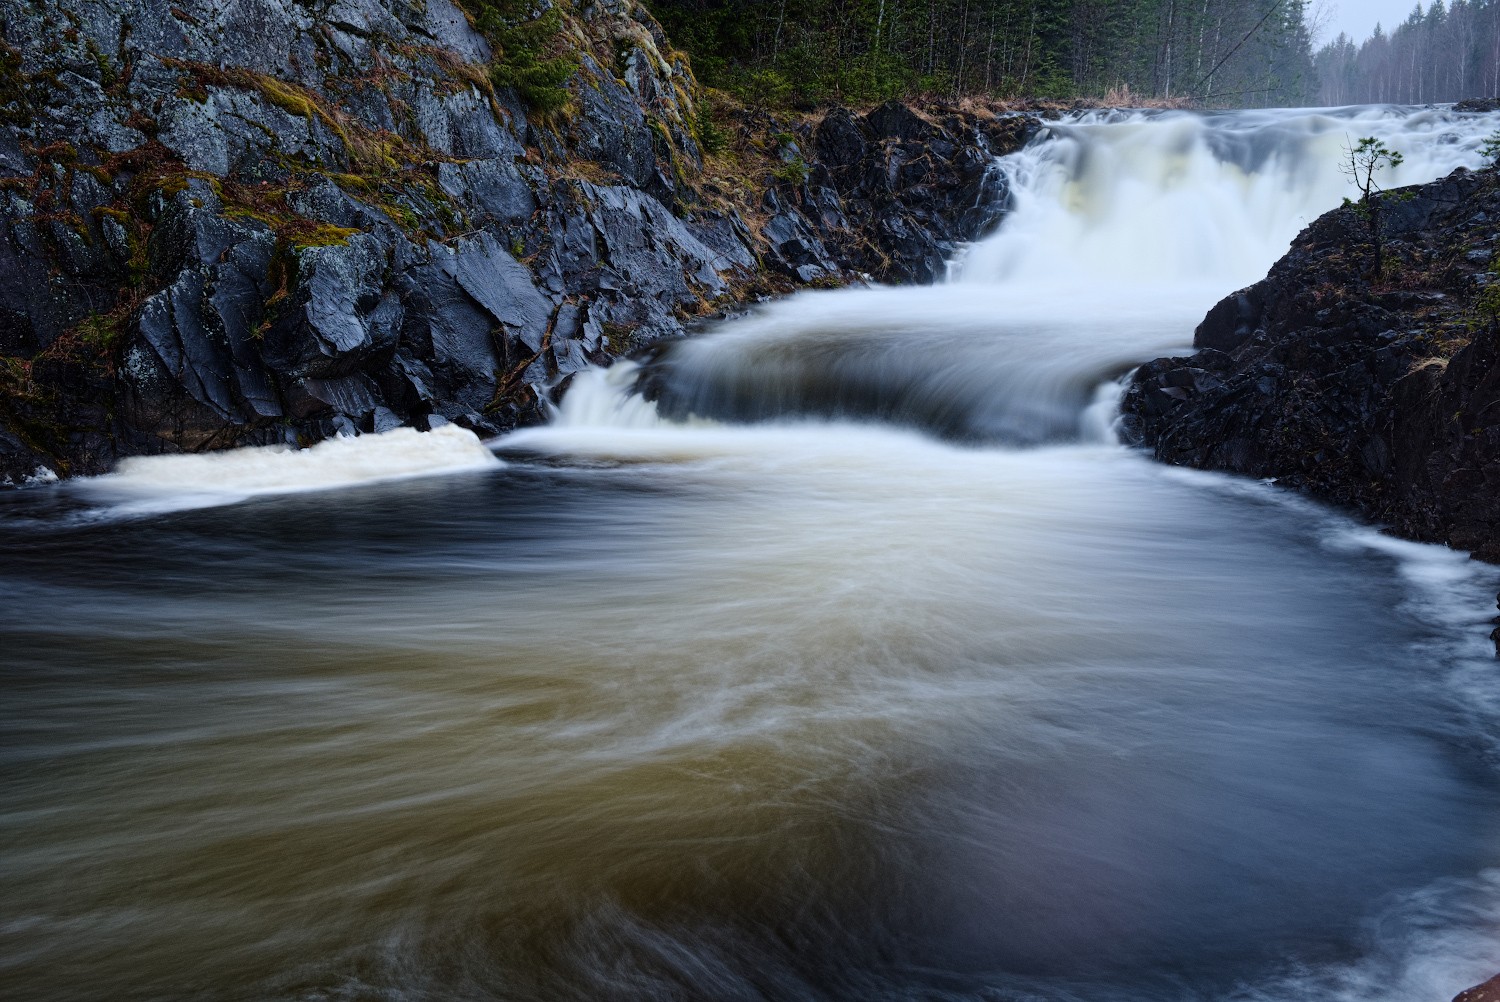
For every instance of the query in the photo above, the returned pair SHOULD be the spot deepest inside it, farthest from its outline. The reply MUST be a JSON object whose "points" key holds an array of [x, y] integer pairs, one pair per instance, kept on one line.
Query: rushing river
{"points": [[863, 664]]}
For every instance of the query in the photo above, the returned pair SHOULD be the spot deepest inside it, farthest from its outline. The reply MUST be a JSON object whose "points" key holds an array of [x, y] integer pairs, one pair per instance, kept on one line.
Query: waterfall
{"points": [[1124, 228]]}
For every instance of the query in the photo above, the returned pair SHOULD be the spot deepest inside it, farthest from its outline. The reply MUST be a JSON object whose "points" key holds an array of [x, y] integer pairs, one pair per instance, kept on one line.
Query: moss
{"points": [[619, 338], [109, 74], [351, 182], [1486, 306], [267, 219], [103, 332], [303, 235], [193, 90], [109, 212], [281, 275], [61, 152], [171, 187], [15, 88]]}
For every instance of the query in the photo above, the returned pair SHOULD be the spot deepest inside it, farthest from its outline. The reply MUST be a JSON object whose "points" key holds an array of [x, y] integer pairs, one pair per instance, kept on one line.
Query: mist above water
{"points": [[858, 664]]}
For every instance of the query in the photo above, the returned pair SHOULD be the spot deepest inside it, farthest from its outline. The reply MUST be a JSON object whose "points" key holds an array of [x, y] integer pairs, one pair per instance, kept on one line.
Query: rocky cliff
{"points": [[1378, 395], [256, 221]]}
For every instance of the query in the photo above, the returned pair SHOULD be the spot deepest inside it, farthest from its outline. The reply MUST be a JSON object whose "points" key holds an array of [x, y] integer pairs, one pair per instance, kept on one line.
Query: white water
{"points": [[1176, 205], [147, 484], [1125, 228]]}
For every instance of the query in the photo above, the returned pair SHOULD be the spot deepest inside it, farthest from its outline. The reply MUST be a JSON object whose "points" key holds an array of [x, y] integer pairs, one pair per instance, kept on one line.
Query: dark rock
{"points": [[1230, 323], [1384, 400], [840, 143], [895, 120]]}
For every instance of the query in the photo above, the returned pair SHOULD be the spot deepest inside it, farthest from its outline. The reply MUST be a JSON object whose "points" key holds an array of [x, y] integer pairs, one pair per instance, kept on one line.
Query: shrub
{"points": [[522, 43]]}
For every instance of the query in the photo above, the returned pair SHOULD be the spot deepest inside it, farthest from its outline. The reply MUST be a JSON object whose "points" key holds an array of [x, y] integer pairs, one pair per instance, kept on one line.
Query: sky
{"points": [[1358, 17]]}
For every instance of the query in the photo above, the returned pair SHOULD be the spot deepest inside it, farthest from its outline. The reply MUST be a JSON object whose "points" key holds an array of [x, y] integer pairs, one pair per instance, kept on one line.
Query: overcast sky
{"points": [[1358, 17]]}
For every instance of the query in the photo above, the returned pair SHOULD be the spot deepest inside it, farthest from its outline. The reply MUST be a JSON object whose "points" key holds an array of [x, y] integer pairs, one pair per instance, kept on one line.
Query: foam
{"points": [[170, 483]]}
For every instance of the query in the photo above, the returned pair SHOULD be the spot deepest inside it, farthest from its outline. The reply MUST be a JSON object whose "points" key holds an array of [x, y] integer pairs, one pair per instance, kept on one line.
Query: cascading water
{"points": [[1124, 230], [849, 660]]}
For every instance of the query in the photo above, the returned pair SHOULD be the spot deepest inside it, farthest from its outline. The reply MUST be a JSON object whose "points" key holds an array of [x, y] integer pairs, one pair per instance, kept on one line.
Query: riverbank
{"points": [[226, 230], [1376, 396]]}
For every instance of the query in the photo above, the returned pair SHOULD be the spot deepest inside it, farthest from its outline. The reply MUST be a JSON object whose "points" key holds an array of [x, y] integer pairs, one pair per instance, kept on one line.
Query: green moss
{"points": [[402, 215], [102, 332], [118, 215], [1486, 307], [62, 153], [351, 182], [109, 75], [306, 235], [381, 168], [267, 219], [289, 98], [171, 187], [15, 88]]}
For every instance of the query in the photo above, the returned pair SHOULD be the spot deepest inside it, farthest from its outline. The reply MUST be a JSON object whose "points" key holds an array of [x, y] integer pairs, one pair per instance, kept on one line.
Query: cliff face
{"points": [[1383, 397], [258, 221]]}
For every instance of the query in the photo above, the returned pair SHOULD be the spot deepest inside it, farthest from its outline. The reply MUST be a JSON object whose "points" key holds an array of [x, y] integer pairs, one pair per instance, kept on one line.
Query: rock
{"points": [[1487, 992], [277, 220], [1479, 105], [895, 120], [1383, 400], [1229, 323], [840, 142]]}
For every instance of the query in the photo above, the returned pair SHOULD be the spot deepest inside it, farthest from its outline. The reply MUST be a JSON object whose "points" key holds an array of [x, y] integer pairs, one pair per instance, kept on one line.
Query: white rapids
{"points": [[1123, 230]]}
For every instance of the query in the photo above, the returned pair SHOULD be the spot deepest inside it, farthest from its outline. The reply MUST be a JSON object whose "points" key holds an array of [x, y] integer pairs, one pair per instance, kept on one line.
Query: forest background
{"points": [[1210, 53]]}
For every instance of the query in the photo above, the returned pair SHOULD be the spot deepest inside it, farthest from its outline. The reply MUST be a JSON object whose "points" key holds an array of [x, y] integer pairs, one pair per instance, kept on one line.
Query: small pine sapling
{"points": [[1366, 159]]}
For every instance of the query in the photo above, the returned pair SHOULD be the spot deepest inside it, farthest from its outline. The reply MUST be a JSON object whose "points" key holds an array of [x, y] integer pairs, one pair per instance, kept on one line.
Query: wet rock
{"points": [[840, 141]]}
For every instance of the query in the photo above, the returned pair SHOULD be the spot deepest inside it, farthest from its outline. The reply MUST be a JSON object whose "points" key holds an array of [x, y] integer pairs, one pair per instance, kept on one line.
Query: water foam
{"points": [[1215, 199], [147, 484]]}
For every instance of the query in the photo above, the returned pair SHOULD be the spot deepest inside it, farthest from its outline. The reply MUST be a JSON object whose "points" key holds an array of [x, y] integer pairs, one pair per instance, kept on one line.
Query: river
{"points": [[860, 663]]}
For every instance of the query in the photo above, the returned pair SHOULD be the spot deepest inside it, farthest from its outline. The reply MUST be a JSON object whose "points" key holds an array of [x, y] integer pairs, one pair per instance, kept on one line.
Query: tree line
{"points": [[807, 52], [1448, 52]]}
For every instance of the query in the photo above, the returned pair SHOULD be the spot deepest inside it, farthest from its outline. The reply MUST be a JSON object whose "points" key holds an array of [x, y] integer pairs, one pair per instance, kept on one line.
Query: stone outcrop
{"points": [[1381, 396], [1487, 992], [256, 221]]}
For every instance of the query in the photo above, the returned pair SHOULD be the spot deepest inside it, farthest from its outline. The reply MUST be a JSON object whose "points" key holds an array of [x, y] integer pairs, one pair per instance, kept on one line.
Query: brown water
{"points": [[1049, 723]]}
